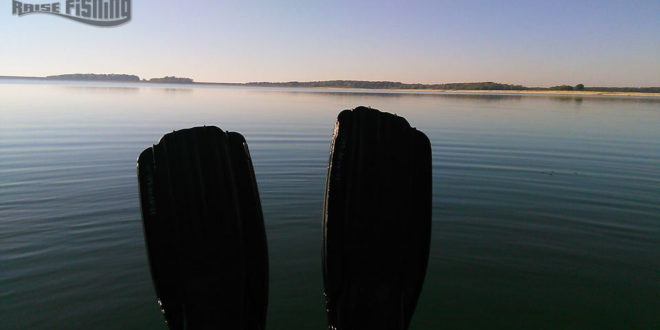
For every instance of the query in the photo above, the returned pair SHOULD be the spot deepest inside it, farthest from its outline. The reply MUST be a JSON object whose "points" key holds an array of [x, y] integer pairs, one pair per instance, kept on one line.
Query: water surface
{"points": [[546, 210]]}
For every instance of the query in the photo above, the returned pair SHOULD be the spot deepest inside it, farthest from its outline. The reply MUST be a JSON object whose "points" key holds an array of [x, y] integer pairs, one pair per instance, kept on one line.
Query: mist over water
{"points": [[546, 210]]}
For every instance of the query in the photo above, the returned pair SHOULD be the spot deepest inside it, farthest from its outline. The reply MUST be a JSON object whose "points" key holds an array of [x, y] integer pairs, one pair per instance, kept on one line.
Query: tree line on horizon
{"points": [[450, 86], [96, 77], [118, 78], [581, 87], [390, 85], [362, 84], [578, 87]]}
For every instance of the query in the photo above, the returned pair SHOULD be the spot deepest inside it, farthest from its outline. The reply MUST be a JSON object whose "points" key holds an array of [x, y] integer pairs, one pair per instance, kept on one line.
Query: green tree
{"points": [[562, 88], [579, 87]]}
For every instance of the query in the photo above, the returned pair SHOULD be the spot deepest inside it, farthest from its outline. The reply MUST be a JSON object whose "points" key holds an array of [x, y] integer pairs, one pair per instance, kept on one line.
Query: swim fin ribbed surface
{"points": [[376, 221], [204, 230]]}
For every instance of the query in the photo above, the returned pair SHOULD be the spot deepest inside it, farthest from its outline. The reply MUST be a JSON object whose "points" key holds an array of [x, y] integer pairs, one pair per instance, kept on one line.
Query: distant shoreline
{"points": [[310, 85], [522, 92]]}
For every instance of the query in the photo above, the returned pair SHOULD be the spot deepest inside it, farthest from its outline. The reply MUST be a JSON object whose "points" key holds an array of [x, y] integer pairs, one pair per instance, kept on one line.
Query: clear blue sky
{"points": [[535, 43]]}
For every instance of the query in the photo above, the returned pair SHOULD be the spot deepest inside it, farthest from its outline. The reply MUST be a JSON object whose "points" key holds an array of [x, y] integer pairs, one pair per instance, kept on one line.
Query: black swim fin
{"points": [[376, 221], [204, 230]]}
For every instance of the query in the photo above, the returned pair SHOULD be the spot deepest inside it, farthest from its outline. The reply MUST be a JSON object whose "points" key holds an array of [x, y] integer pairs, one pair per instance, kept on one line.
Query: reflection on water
{"points": [[178, 90], [545, 208], [102, 89]]}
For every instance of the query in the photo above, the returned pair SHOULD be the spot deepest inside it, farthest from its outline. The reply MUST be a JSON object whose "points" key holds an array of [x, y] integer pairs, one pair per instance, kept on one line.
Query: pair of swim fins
{"points": [[206, 240]]}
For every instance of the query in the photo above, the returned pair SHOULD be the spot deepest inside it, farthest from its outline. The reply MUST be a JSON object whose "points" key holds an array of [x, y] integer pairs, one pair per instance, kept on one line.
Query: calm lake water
{"points": [[546, 210]]}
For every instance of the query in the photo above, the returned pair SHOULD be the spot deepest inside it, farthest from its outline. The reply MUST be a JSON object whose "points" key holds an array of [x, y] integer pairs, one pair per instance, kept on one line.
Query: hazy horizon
{"points": [[604, 43], [142, 79]]}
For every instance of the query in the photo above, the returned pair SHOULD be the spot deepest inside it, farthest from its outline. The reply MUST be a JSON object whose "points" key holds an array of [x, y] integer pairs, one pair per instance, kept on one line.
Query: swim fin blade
{"points": [[376, 221], [204, 230]]}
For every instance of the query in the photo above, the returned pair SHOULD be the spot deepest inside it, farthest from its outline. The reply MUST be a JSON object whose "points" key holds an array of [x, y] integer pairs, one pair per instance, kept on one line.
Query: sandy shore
{"points": [[557, 93], [497, 92], [382, 90]]}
